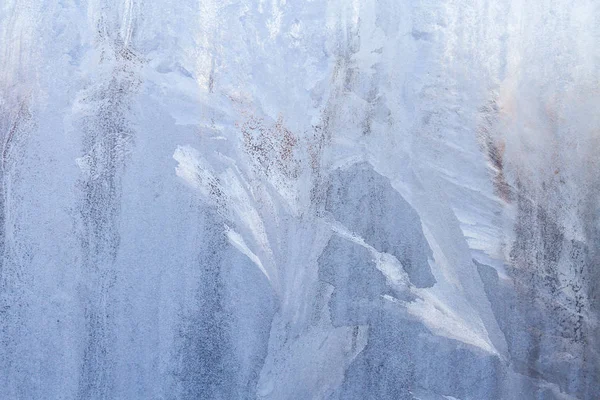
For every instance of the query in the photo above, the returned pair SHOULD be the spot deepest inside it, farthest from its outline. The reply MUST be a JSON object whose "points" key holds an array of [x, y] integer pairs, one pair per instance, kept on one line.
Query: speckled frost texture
{"points": [[317, 199]]}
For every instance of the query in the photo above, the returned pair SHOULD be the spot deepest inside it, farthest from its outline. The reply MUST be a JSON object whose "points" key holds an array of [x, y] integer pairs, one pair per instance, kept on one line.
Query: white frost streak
{"points": [[233, 201], [238, 241], [441, 320]]}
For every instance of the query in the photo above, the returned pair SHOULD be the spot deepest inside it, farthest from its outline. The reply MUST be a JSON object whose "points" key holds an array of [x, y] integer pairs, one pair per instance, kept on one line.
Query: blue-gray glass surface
{"points": [[300, 199]]}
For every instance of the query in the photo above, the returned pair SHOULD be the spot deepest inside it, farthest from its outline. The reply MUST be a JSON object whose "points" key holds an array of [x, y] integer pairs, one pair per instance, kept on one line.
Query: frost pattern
{"points": [[299, 199]]}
